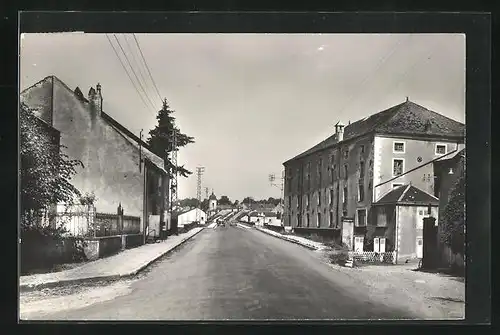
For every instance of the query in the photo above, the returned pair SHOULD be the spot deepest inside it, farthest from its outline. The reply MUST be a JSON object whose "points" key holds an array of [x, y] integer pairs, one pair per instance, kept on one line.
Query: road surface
{"points": [[229, 273]]}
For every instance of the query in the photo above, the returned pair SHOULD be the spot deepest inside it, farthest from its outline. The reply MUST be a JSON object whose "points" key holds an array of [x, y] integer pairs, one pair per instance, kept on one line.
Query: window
{"points": [[440, 149], [381, 217], [331, 196], [361, 192], [307, 201], [397, 166], [299, 221], [396, 185], [362, 149], [298, 201], [319, 198], [361, 169], [344, 198], [334, 172], [399, 147], [331, 219], [361, 217], [346, 171], [319, 220], [290, 202], [307, 220], [379, 244], [346, 153]]}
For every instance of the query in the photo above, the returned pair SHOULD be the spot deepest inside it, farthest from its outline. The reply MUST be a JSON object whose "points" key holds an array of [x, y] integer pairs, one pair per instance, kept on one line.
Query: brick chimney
{"points": [[95, 99], [339, 131]]}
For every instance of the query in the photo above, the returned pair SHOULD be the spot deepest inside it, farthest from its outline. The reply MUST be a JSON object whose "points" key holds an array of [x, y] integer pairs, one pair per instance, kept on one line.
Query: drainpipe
{"points": [[144, 205]]}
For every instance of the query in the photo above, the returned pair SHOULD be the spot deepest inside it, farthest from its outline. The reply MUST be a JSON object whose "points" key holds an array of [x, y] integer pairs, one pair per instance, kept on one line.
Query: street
{"points": [[228, 273]]}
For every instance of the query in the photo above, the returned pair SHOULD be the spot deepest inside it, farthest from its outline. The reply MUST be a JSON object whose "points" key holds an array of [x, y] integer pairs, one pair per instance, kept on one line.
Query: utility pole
{"points": [[281, 184], [173, 159], [199, 172]]}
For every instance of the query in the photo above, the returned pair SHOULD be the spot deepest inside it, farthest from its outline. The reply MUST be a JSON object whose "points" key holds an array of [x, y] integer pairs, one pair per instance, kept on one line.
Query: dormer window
{"points": [[440, 149], [399, 147]]}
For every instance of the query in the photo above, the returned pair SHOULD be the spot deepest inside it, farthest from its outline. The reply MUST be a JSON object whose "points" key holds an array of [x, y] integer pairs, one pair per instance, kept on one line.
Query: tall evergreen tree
{"points": [[161, 138]]}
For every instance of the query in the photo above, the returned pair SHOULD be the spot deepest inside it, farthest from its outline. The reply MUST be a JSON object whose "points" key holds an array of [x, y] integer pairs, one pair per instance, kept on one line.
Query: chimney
{"points": [[95, 99], [339, 131]]}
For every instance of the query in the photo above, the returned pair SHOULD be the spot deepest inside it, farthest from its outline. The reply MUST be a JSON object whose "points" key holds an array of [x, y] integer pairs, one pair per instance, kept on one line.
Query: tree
{"points": [[45, 171], [248, 200], [224, 200], [189, 202], [454, 216], [236, 202], [204, 204], [161, 137]]}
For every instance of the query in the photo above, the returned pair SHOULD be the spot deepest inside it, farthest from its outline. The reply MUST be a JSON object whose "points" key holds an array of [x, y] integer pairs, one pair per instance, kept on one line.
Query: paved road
{"points": [[236, 273]]}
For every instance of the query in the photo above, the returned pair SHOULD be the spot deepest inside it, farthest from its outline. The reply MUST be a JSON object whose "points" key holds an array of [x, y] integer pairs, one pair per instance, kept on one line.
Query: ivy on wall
{"points": [[454, 216]]}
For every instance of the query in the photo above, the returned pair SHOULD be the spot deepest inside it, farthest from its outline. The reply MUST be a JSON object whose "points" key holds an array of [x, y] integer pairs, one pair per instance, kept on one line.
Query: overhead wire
{"points": [[131, 67], [128, 74], [136, 62], [379, 65], [147, 67]]}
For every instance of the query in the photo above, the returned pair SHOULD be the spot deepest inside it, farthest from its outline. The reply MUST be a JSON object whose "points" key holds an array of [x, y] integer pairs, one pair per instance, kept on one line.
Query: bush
{"points": [[339, 254], [42, 248]]}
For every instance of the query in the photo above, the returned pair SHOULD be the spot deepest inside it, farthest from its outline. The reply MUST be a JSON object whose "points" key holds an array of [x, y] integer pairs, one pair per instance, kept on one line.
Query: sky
{"points": [[252, 101]]}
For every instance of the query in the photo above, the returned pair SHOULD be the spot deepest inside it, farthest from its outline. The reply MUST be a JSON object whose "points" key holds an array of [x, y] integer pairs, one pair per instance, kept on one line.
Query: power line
{"points": [[147, 67], [382, 61], [131, 67], [128, 74], [139, 68]]}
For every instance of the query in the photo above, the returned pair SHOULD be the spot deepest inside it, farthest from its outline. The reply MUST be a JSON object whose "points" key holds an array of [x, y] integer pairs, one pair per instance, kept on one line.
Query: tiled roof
{"points": [[408, 194], [407, 118]]}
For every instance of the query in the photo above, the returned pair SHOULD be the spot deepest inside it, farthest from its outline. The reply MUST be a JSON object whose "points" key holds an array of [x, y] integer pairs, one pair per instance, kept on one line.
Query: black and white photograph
{"points": [[242, 176]]}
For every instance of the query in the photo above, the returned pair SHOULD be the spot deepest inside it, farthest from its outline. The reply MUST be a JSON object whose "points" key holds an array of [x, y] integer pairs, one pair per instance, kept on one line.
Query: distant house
{"points": [[119, 168], [261, 218], [399, 216], [447, 171], [190, 216]]}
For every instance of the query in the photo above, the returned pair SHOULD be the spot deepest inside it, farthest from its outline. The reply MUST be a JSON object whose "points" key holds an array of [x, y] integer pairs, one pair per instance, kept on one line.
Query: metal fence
{"points": [[373, 257], [84, 221]]}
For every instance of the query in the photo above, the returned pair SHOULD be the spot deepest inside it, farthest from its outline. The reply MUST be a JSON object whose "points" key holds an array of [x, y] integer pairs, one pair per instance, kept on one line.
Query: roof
{"points": [[177, 213], [212, 197], [408, 195], [266, 214], [407, 118], [127, 134]]}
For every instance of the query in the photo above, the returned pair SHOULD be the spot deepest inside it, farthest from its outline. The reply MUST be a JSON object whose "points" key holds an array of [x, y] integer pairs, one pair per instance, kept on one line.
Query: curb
{"points": [[289, 240], [27, 287]]}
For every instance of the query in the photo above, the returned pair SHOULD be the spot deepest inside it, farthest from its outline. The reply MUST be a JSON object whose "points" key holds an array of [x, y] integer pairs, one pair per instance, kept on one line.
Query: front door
{"points": [[420, 247], [358, 243]]}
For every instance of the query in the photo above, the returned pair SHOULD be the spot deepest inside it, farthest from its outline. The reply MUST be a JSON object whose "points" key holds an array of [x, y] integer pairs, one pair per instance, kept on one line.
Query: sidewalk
{"points": [[295, 239], [126, 263]]}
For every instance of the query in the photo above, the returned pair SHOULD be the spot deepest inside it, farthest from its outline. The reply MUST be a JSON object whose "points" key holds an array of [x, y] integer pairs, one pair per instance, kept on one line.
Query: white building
{"points": [[190, 216]]}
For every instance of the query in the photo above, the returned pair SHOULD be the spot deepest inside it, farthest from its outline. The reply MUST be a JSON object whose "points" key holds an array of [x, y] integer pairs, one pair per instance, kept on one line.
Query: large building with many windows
{"points": [[342, 178]]}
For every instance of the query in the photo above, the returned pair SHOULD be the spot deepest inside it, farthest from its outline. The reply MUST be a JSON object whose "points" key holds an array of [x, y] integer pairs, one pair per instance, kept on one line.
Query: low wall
{"points": [[100, 247], [133, 241], [277, 229], [326, 234], [44, 252]]}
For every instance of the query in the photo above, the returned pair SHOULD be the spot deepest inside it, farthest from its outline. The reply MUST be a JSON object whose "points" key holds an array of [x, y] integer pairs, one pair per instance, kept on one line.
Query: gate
{"points": [[430, 255]]}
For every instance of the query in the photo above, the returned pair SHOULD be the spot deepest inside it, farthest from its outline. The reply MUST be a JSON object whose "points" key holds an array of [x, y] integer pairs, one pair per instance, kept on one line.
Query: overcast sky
{"points": [[252, 101]]}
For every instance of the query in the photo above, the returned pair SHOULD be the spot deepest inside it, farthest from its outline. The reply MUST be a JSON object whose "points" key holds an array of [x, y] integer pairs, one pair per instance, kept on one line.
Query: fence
{"points": [[83, 220], [373, 257]]}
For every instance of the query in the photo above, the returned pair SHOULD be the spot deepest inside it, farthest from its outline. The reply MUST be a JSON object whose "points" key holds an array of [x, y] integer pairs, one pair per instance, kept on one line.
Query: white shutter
{"points": [[376, 246], [382, 244]]}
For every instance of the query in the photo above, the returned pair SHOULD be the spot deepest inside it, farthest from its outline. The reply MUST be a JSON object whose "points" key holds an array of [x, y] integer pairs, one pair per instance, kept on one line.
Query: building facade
{"points": [[118, 167], [341, 178]]}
